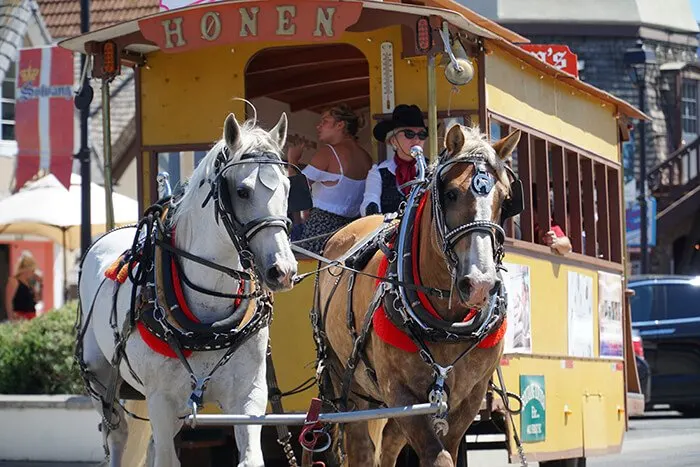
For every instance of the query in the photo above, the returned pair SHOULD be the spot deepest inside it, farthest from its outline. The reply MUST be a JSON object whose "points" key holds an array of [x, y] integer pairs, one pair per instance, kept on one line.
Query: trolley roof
{"points": [[374, 15]]}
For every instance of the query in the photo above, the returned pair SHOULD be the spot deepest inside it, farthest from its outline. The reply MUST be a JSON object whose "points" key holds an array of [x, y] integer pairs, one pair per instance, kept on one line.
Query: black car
{"points": [[666, 312]]}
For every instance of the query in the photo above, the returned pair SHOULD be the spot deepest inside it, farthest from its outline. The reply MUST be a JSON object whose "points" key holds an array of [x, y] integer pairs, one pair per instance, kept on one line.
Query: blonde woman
{"points": [[23, 290]]}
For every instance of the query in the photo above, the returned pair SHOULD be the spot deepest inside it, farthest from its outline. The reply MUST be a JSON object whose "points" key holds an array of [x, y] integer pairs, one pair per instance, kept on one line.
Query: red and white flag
{"points": [[44, 114]]}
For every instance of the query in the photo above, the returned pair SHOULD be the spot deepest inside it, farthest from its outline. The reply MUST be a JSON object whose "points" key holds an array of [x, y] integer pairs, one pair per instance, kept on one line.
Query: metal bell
{"points": [[459, 73]]}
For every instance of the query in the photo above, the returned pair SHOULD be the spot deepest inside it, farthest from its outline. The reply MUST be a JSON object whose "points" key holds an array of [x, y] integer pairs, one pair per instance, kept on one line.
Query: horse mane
{"points": [[251, 137]]}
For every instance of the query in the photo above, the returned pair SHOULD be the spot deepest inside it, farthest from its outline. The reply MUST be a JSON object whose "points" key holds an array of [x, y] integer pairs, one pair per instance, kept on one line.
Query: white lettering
{"points": [[210, 25], [285, 15], [173, 27], [249, 22], [324, 17]]}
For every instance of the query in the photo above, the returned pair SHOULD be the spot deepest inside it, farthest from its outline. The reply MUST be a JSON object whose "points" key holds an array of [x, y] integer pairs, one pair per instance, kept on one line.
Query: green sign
{"points": [[533, 420]]}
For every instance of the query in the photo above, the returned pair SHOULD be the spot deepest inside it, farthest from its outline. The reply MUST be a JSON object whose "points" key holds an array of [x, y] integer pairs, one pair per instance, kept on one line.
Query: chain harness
{"points": [[153, 303], [397, 292]]}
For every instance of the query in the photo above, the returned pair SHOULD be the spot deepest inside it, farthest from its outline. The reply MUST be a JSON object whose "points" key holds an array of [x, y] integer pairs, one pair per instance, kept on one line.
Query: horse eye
{"points": [[243, 193], [451, 196]]}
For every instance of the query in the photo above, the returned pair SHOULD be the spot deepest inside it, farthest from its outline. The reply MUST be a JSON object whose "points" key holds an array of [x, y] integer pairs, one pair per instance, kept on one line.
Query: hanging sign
{"points": [[44, 114], [228, 23], [533, 418], [559, 56]]}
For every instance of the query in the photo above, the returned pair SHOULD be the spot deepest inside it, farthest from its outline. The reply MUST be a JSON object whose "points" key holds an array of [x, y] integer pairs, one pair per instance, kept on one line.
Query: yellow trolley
{"points": [[568, 353]]}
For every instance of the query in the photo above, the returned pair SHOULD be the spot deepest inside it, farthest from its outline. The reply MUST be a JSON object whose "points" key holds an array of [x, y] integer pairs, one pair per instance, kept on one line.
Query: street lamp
{"points": [[639, 61]]}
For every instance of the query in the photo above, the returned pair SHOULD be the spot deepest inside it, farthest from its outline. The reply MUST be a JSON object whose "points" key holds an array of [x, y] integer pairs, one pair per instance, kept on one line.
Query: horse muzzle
{"points": [[280, 275], [474, 291]]}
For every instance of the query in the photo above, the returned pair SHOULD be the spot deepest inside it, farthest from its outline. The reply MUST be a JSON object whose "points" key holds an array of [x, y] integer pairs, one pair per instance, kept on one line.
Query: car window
{"points": [[682, 300], [642, 303]]}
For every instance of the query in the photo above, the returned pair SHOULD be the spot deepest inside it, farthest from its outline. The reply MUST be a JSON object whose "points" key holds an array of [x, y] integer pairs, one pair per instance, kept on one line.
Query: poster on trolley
{"points": [[518, 333], [610, 315], [580, 311]]}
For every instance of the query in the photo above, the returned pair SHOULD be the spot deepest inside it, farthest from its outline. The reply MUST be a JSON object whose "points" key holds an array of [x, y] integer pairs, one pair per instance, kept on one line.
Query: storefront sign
{"points": [[559, 56], [44, 114], [533, 419], [228, 23]]}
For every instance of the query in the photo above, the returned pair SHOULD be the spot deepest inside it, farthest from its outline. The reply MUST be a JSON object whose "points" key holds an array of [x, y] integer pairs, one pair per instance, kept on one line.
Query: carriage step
{"points": [[129, 393]]}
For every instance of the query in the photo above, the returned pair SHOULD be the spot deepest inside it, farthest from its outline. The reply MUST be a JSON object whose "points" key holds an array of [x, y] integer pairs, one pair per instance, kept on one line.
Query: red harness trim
{"points": [[157, 344], [389, 333]]}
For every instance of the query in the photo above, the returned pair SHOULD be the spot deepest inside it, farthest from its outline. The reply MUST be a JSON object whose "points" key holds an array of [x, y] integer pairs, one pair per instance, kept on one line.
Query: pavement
{"points": [[663, 439]]}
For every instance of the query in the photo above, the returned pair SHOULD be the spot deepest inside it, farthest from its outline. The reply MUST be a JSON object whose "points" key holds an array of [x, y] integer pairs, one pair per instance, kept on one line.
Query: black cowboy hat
{"points": [[402, 116]]}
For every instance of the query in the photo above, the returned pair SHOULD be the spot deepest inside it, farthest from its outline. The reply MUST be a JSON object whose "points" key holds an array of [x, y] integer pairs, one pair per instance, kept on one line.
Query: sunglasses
{"points": [[410, 134]]}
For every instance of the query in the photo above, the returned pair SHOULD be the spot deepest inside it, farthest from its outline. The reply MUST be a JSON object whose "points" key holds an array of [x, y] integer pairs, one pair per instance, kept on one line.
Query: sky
{"points": [[696, 8]]}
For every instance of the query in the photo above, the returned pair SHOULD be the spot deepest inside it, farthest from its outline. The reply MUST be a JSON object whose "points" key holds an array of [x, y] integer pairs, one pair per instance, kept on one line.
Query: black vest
{"points": [[391, 196]]}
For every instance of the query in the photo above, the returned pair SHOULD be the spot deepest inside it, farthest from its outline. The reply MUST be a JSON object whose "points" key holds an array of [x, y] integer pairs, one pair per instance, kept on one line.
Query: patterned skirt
{"points": [[318, 228]]}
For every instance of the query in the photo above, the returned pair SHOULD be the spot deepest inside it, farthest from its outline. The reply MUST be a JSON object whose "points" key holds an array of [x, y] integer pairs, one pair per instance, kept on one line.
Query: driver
{"points": [[402, 131]]}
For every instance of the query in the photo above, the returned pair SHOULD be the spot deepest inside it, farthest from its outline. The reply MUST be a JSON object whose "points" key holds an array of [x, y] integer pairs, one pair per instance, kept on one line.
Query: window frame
{"points": [[540, 155]]}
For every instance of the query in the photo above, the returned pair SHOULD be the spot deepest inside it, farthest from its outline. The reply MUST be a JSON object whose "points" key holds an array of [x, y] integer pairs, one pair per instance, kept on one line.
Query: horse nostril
{"points": [[463, 285], [273, 274]]}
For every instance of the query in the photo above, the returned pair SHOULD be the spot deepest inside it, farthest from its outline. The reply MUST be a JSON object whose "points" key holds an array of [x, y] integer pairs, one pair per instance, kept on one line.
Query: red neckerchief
{"points": [[405, 172]]}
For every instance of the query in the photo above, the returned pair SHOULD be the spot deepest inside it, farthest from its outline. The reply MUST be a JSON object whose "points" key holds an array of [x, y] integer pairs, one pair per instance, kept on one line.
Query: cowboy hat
{"points": [[402, 116]]}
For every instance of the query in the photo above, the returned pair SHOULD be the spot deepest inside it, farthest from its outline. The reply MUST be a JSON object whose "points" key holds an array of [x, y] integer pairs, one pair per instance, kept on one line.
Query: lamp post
{"points": [[639, 61]]}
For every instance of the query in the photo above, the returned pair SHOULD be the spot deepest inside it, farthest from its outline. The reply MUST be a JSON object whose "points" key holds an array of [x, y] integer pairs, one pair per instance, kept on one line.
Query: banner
{"points": [[44, 114], [580, 305], [610, 314]]}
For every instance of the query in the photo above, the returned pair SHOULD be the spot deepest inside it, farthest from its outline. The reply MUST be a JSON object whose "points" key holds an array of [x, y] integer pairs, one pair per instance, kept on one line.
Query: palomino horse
{"points": [[235, 203], [457, 241]]}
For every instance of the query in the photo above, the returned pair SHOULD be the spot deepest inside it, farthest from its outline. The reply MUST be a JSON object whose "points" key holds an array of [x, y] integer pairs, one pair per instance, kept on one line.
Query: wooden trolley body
{"points": [[300, 56]]}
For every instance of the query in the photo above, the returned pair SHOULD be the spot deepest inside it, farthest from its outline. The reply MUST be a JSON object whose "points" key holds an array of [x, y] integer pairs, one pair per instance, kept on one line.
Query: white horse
{"points": [[258, 193]]}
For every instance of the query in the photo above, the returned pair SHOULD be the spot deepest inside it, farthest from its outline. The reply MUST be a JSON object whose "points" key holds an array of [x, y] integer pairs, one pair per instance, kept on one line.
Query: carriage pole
{"points": [[300, 418], [107, 145]]}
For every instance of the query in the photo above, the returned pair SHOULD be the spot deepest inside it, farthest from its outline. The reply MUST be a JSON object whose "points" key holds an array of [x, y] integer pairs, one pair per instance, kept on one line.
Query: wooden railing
{"points": [[677, 175]]}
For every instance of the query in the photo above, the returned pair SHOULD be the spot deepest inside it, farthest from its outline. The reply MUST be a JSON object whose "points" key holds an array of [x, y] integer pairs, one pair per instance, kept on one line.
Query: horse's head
{"points": [[470, 187], [254, 189]]}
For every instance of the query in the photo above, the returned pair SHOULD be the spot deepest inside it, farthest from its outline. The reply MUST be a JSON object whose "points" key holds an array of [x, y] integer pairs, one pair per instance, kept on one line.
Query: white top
{"points": [[343, 198], [373, 185]]}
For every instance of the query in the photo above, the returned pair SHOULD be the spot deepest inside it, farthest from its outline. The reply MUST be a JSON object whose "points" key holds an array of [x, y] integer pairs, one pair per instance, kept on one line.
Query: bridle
{"points": [[241, 234], [481, 185]]}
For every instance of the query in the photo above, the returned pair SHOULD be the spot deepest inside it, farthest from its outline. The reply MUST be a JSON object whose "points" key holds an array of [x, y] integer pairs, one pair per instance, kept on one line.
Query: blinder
{"points": [[241, 234], [515, 204]]}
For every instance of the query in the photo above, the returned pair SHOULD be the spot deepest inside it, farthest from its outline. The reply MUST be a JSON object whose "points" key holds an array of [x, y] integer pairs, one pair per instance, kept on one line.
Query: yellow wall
{"points": [[541, 102], [186, 96], [592, 391]]}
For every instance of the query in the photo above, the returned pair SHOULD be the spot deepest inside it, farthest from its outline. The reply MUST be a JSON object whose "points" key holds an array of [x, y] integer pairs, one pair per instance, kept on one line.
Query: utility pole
{"points": [[84, 153]]}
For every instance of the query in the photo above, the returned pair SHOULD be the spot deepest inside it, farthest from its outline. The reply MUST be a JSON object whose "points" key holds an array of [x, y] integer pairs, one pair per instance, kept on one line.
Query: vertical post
{"points": [[84, 153], [107, 150], [432, 108], [644, 243]]}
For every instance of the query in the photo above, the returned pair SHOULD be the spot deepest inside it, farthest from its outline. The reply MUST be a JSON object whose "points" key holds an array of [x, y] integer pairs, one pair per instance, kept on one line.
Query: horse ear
{"points": [[454, 140], [279, 132], [231, 131], [504, 147]]}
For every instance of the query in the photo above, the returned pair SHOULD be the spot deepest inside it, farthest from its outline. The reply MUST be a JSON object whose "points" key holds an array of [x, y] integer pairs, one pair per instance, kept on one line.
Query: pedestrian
{"points": [[23, 289]]}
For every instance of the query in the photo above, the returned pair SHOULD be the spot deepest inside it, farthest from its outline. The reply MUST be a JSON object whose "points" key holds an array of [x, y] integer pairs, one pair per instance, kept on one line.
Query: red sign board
{"points": [[227, 23], [44, 114], [559, 56]]}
